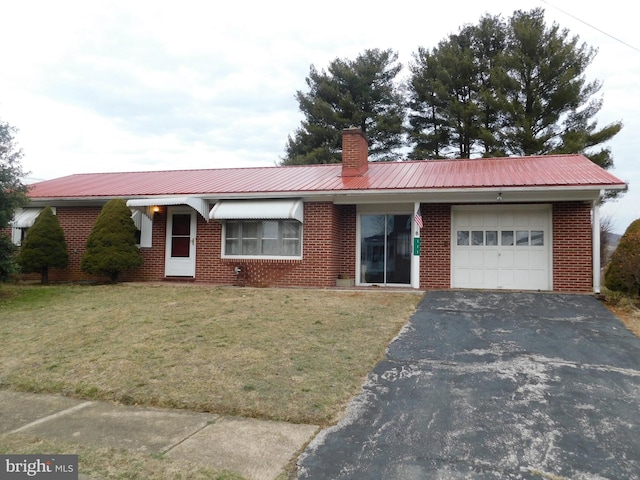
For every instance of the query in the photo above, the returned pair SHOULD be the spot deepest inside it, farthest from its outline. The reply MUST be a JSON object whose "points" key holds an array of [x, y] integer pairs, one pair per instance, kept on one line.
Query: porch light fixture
{"points": [[499, 197], [155, 209]]}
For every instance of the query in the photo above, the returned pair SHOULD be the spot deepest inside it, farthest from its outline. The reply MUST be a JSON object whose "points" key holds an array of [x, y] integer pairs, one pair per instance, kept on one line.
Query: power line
{"points": [[592, 26]]}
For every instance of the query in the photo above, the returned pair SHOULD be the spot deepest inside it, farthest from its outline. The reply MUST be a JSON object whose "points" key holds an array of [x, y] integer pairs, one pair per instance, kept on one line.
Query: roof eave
{"points": [[434, 195]]}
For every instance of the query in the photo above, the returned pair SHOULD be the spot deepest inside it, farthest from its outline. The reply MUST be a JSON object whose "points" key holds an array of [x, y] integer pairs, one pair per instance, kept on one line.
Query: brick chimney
{"points": [[355, 152]]}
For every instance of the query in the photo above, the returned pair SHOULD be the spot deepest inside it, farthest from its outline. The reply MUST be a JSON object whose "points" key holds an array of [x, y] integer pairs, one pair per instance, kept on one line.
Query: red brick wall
{"points": [[323, 254], [435, 246], [77, 224], [153, 266], [572, 247], [346, 240], [323, 258], [329, 249]]}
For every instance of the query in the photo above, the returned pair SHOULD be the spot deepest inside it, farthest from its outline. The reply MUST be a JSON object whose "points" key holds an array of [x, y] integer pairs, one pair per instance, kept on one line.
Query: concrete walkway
{"points": [[255, 449]]}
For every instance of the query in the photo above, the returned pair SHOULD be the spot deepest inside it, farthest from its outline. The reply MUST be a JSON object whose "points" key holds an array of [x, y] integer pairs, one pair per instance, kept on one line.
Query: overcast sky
{"points": [[101, 86]]}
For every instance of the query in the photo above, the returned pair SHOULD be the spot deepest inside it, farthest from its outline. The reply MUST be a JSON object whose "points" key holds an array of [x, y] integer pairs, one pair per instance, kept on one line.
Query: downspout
{"points": [[415, 258], [596, 243]]}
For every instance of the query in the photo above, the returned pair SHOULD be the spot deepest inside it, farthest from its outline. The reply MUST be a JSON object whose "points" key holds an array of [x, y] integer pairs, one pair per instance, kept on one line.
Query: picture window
{"points": [[281, 238]]}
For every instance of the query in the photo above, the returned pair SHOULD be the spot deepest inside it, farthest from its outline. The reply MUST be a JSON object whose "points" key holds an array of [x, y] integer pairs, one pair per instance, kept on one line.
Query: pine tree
{"points": [[507, 88], [44, 246], [111, 246], [444, 99], [551, 104], [352, 93]]}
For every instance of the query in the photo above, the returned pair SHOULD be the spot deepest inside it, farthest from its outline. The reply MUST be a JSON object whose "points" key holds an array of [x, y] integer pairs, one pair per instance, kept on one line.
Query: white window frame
{"points": [[262, 256], [18, 234]]}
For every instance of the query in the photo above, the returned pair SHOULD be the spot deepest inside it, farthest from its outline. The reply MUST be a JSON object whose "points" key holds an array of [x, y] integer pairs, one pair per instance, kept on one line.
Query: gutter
{"points": [[596, 243]]}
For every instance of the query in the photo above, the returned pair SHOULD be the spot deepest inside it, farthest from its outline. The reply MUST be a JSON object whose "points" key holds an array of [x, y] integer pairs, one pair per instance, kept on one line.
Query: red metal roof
{"points": [[552, 171]]}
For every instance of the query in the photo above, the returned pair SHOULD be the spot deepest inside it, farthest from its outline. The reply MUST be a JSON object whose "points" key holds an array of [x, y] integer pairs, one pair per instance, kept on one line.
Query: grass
{"points": [[626, 308], [291, 355], [629, 316], [113, 463]]}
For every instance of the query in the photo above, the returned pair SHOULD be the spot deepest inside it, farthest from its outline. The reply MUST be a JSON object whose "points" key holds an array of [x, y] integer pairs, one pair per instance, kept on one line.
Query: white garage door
{"points": [[501, 247]]}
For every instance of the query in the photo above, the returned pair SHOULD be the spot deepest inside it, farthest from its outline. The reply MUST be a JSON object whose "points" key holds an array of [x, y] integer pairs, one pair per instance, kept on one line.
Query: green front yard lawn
{"points": [[282, 354]]}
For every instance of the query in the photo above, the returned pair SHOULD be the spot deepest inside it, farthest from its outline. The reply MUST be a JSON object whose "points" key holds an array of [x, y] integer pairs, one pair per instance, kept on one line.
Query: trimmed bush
{"points": [[7, 263], [111, 246], [623, 272], [44, 246]]}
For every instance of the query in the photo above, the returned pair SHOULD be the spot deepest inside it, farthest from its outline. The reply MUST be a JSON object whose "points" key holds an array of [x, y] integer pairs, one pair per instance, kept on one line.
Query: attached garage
{"points": [[501, 247]]}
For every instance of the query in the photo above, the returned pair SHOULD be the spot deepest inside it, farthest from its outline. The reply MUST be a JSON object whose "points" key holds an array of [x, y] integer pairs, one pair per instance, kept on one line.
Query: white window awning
{"points": [[25, 217], [136, 216], [145, 224], [258, 210], [200, 205]]}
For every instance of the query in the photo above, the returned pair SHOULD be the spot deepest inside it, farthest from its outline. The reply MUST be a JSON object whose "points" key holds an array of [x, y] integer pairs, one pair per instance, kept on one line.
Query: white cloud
{"points": [[122, 85]]}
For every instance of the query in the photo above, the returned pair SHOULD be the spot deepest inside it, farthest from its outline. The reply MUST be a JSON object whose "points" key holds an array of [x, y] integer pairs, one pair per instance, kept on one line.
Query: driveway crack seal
{"points": [[208, 424], [62, 413]]}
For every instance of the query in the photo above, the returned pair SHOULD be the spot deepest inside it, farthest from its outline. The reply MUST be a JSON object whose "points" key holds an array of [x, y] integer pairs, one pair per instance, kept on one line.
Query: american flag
{"points": [[418, 218]]}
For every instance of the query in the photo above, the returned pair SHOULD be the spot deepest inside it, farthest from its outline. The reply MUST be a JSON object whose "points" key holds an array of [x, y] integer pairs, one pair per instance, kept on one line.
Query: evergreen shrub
{"points": [[111, 246]]}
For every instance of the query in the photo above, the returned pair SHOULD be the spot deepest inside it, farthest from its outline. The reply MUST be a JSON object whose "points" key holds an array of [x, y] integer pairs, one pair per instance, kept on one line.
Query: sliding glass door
{"points": [[385, 249]]}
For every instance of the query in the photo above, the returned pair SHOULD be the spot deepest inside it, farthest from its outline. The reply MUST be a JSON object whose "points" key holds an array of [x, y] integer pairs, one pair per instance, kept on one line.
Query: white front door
{"points": [[180, 257], [501, 247]]}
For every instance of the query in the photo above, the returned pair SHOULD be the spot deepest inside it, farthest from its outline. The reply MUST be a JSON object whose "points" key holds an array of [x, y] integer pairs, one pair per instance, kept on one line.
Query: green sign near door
{"points": [[416, 246]]}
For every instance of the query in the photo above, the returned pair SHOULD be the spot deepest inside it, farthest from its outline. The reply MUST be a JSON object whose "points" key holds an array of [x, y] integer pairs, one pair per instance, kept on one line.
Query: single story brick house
{"points": [[529, 223]]}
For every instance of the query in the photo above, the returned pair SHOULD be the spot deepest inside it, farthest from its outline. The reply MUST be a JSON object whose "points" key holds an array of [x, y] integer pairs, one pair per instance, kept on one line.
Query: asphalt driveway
{"points": [[483, 385]]}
